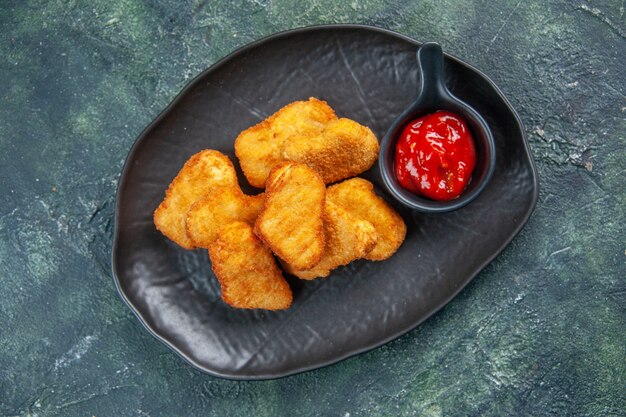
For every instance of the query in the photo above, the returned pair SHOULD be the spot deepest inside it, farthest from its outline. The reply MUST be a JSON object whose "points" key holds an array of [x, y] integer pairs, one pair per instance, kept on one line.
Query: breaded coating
{"points": [[357, 196], [344, 149], [225, 205], [290, 222], [247, 271], [258, 148], [347, 238], [201, 174]]}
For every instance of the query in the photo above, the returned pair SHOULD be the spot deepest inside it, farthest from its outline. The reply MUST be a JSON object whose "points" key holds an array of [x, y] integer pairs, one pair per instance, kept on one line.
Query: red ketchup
{"points": [[435, 156]]}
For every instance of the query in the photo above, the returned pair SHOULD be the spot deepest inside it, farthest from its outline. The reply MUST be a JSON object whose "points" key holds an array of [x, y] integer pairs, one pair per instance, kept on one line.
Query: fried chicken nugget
{"points": [[201, 174], [357, 196], [347, 238], [290, 222], [246, 270], [344, 149], [258, 148], [228, 204]]}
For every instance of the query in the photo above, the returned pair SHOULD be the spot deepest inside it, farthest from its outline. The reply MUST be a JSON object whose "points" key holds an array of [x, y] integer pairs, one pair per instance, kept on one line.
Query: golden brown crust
{"points": [[347, 238], [344, 149], [357, 196], [201, 174], [258, 148], [246, 270], [290, 222], [207, 216]]}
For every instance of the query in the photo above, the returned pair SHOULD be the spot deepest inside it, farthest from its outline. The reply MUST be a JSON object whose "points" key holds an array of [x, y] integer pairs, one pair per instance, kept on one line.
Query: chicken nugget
{"points": [[247, 271], [290, 222], [344, 149], [347, 238], [258, 148], [202, 173], [357, 196], [221, 207]]}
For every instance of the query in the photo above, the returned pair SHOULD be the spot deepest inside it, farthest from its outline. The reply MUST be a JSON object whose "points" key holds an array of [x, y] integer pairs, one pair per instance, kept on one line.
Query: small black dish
{"points": [[434, 95]]}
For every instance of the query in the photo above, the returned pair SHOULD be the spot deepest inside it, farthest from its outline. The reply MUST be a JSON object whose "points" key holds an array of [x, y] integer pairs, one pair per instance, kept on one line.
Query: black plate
{"points": [[364, 73]]}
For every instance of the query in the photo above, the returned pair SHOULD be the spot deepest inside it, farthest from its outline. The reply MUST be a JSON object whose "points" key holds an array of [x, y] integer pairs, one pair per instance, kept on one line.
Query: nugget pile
{"points": [[310, 227]]}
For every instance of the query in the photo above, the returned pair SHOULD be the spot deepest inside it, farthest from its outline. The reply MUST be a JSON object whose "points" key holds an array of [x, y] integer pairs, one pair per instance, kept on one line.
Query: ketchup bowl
{"points": [[435, 97]]}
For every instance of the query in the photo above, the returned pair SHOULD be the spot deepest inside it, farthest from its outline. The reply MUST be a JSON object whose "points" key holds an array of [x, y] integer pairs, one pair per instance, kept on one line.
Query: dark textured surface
{"points": [[539, 332], [365, 74]]}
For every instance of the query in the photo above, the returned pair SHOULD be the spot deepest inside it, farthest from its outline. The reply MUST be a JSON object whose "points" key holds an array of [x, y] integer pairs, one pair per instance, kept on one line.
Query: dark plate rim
{"points": [[142, 136]]}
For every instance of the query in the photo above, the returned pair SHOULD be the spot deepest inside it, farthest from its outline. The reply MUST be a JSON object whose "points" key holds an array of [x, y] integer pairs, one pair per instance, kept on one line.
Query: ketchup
{"points": [[435, 156]]}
